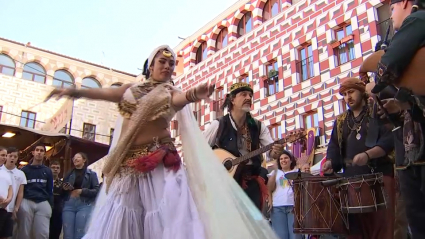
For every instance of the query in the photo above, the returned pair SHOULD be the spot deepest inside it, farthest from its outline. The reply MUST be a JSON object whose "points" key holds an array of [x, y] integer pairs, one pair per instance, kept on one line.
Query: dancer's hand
{"points": [[204, 91], [61, 92]]}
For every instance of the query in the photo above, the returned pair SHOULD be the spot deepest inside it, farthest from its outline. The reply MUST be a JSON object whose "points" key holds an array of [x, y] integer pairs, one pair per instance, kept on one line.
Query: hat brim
{"points": [[234, 92]]}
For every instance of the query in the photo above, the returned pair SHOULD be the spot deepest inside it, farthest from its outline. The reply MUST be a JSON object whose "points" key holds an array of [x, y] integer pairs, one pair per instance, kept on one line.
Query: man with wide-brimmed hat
{"points": [[349, 155], [239, 133]]}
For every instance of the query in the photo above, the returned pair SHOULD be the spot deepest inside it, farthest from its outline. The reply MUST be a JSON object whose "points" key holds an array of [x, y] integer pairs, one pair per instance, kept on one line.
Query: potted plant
{"points": [[334, 43], [273, 73]]}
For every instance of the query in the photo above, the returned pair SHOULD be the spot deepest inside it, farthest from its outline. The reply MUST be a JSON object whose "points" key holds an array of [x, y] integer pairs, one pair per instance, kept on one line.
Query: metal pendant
{"points": [[358, 136]]}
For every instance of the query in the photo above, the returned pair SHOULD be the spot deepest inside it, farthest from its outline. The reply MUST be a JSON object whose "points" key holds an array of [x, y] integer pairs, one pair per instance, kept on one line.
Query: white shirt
{"points": [[18, 179], [283, 195], [210, 134], [5, 183]]}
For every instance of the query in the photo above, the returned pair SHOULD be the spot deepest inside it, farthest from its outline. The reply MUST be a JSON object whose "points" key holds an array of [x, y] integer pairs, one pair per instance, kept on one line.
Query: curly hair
{"points": [[291, 157]]}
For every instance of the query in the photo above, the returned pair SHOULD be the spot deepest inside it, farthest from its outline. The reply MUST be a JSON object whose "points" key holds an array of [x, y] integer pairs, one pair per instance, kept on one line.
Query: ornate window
{"points": [[272, 82], [245, 24], [221, 41], [7, 65], [271, 9], [28, 119], [201, 53], [311, 119], [90, 82], [89, 131], [276, 131], [345, 51], [34, 72], [63, 78], [305, 65]]}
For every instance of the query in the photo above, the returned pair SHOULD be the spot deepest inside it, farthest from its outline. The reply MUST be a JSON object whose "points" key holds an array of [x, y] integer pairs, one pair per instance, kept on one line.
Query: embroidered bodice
{"points": [[134, 96]]}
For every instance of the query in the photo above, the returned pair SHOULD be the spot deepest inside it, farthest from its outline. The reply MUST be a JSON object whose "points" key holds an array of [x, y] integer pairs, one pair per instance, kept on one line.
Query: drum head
{"points": [[297, 175]]}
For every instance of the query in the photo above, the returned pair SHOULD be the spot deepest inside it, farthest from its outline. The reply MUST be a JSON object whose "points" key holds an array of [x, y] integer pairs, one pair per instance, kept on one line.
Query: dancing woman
{"points": [[147, 192]]}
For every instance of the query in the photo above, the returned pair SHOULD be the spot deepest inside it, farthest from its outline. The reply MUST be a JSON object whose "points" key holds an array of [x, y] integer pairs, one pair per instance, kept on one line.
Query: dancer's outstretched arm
{"points": [[201, 92], [107, 94]]}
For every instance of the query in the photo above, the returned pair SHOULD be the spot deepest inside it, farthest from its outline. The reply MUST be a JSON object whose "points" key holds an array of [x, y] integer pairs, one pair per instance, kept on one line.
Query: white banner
{"points": [[60, 118]]}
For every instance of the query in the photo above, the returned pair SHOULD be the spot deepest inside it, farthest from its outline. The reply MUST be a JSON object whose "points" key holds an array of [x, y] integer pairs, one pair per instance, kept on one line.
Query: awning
{"points": [[24, 138]]}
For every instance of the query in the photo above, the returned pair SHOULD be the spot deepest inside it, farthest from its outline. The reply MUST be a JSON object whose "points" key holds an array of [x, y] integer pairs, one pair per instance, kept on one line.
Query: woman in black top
{"points": [[81, 185]]}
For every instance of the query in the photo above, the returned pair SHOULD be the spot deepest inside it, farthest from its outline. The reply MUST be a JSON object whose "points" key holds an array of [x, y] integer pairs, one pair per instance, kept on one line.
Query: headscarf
{"points": [[352, 83], [149, 61]]}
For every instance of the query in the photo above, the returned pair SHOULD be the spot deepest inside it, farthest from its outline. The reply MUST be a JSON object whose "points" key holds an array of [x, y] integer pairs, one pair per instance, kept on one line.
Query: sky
{"points": [[117, 34]]}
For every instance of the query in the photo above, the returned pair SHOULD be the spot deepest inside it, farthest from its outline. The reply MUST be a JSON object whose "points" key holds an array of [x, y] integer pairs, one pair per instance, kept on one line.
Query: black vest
{"points": [[227, 138]]}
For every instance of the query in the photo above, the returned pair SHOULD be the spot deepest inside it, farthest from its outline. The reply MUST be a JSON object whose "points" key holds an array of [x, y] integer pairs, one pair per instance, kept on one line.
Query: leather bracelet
{"points": [[368, 157], [188, 96]]}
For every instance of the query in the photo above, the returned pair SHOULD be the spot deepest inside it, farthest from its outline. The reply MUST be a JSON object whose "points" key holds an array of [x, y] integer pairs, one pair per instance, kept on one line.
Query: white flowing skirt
{"points": [[157, 205]]}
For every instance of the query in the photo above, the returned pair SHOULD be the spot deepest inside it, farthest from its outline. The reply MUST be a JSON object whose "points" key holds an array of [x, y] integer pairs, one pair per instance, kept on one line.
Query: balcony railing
{"points": [[382, 28], [306, 68]]}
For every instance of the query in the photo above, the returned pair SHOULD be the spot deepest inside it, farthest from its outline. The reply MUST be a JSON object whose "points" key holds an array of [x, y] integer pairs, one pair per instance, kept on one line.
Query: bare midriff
{"points": [[154, 129]]}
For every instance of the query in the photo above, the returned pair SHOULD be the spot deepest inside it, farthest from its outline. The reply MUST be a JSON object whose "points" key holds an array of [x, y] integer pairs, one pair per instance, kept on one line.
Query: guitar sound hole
{"points": [[228, 165]]}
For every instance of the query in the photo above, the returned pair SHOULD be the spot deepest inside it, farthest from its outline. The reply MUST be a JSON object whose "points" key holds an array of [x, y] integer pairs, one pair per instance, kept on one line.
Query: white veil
{"points": [[101, 196], [224, 208]]}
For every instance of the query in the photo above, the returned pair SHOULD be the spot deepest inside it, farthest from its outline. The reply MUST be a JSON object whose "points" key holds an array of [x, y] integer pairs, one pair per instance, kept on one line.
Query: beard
{"points": [[246, 108]]}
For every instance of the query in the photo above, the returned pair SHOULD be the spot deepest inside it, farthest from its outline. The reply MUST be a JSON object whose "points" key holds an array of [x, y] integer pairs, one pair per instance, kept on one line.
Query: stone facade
{"points": [[296, 101], [18, 94]]}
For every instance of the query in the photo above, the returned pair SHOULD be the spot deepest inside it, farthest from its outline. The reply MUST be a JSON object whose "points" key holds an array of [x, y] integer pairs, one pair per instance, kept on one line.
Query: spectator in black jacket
{"points": [[56, 219], [81, 186], [36, 207]]}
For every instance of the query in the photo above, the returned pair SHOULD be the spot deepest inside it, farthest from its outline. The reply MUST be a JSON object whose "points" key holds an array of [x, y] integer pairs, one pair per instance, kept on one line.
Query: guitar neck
{"points": [[261, 150], [252, 154]]}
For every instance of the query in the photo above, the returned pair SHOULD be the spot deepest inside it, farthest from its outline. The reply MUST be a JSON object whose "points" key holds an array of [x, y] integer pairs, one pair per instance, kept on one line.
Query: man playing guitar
{"points": [[239, 133]]}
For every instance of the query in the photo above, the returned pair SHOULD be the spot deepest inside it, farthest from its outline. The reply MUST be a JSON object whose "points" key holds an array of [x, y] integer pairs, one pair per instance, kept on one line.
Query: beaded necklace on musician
{"points": [[357, 123], [245, 133]]}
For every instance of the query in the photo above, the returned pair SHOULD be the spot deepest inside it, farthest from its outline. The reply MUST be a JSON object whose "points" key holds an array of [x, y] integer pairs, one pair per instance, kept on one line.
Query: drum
{"points": [[317, 208], [362, 194]]}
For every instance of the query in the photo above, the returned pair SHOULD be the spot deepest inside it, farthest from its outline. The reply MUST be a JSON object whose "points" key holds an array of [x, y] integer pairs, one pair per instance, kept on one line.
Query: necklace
{"points": [[357, 126]]}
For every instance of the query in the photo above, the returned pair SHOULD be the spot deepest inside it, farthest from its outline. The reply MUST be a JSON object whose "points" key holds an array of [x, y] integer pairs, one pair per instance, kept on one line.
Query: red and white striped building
{"points": [[294, 55]]}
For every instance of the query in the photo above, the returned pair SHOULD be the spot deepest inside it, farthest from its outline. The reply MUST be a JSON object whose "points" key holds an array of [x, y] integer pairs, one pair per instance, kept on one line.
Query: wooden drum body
{"points": [[317, 210], [362, 194]]}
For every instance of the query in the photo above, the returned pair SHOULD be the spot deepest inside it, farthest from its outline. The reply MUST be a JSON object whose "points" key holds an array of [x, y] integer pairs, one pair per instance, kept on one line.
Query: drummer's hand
{"points": [[392, 106], [360, 159], [327, 167], [305, 168]]}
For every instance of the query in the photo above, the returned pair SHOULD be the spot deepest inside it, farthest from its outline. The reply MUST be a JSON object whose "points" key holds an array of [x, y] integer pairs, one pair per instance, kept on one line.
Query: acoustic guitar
{"points": [[231, 162]]}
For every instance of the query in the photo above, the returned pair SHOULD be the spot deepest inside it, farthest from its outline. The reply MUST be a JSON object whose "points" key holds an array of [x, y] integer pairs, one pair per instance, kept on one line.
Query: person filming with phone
{"points": [[81, 187]]}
